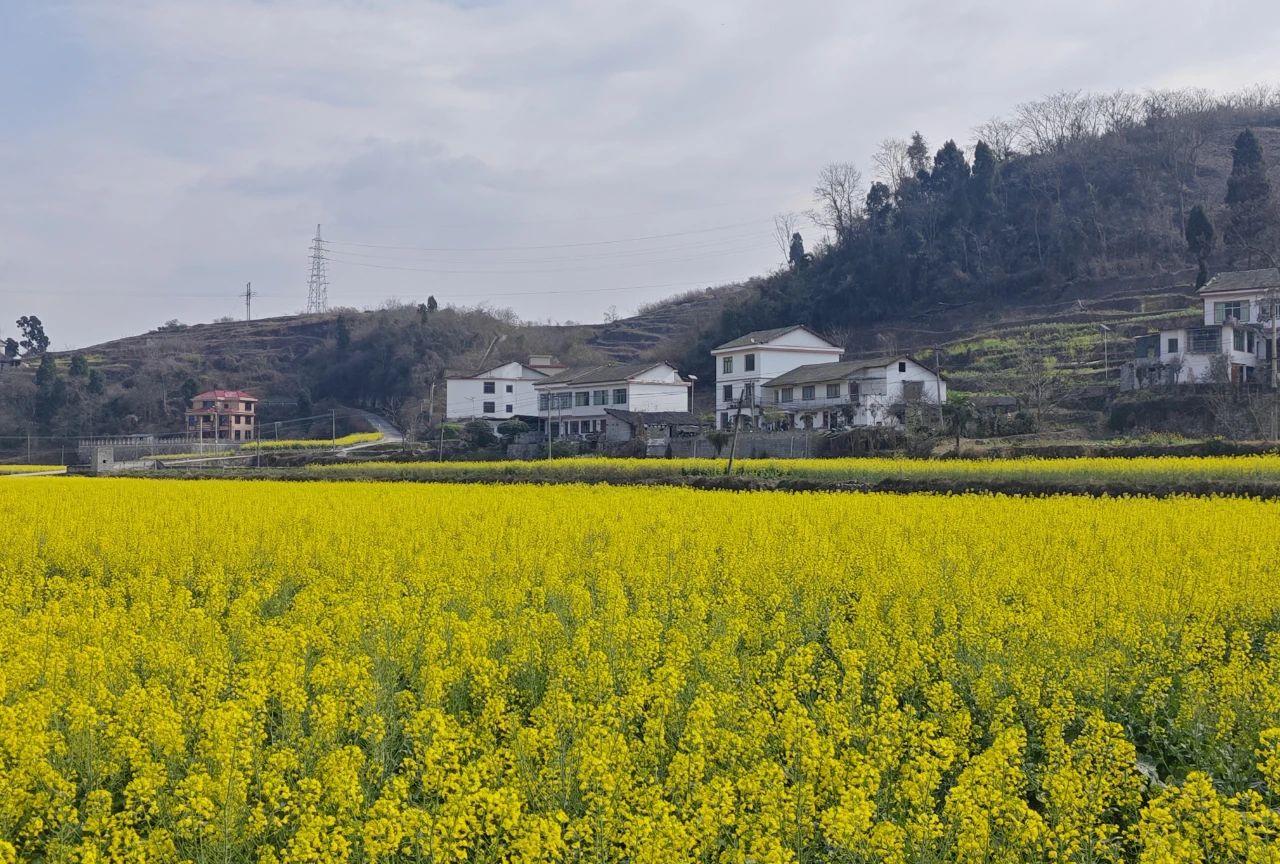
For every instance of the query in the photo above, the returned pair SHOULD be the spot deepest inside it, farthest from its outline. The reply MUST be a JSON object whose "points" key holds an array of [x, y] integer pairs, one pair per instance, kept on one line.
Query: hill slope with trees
{"points": [[1078, 219]]}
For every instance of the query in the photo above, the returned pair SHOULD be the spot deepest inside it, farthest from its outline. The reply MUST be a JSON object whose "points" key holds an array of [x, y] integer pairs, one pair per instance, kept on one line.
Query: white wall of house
{"points": [[1197, 366], [658, 389], [878, 390], [512, 393], [1242, 305], [769, 360]]}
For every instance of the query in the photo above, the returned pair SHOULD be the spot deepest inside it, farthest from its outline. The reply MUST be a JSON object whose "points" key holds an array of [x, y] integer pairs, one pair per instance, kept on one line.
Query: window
{"points": [[1238, 309], [573, 427], [489, 387], [726, 365], [902, 365], [854, 391], [788, 394], [599, 397], [749, 362], [912, 391], [749, 393], [489, 408], [248, 406], [724, 420], [582, 397], [620, 396], [544, 402], [728, 392], [510, 388], [1237, 339], [806, 392], [1204, 340], [833, 391], [510, 409], [1173, 345], [1251, 346]]}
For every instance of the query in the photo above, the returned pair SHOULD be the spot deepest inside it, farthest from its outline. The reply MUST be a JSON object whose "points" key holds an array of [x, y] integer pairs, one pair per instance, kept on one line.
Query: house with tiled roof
{"points": [[852, 393], [576, 401], [223, 415], [1229, 342], [744, 364], [497, 393]]}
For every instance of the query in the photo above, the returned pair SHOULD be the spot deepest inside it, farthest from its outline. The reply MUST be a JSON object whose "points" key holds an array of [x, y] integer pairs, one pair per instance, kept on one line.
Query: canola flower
{"points": [[30, 469], [284, 673], [1263, 468], [312, 443]]}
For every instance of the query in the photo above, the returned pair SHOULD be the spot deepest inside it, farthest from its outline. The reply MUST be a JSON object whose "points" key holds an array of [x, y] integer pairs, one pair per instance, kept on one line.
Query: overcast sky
{"points": [[156, 155]]}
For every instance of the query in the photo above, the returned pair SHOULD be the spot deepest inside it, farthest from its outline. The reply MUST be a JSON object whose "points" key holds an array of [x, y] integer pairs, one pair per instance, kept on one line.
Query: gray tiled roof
{"points": [[816, 373], [759, 337], [653, 418], [602, 374], [1243, 280]]}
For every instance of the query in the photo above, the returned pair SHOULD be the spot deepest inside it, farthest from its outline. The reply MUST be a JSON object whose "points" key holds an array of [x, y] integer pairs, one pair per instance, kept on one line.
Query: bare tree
{"points": [[785, 225], [1000, 135], [892, 163], [1049, 124], [1120, 111], [1039, 381], [838, 197]]}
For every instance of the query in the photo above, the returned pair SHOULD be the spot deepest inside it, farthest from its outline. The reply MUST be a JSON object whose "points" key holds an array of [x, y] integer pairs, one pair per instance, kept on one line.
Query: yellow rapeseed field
{"points": [[29, 469], [1263, 468], [222, 671]]}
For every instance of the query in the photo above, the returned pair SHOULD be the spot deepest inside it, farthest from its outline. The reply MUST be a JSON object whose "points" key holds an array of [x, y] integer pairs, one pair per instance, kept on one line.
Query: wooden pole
{"points": [[733, 447]]}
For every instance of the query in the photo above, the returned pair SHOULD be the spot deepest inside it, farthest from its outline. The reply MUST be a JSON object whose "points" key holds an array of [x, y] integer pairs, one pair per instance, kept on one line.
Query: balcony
{"points": [[818, 403]]}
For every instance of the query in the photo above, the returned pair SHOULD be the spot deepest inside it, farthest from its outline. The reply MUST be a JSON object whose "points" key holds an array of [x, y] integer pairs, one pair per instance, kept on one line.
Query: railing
{"points": [[818, 402]]}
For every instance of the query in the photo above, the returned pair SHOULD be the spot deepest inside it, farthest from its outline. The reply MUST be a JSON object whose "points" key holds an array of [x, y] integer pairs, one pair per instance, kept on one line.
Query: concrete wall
{"points": [[465, 398]]}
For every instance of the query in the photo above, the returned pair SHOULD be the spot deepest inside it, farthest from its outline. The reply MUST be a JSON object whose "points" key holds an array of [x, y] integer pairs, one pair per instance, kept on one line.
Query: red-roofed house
{"points": [[223, 415]]}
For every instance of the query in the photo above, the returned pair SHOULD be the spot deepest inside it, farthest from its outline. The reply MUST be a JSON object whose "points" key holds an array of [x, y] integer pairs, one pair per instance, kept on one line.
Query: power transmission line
{"points": [[708, 244], [318, 282], [517, 272], [248, 301], [548, 245]]}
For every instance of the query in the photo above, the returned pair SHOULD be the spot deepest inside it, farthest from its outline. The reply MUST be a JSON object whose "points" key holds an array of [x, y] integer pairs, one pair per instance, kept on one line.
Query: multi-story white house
{"points": [[744, 364], [852, 393], [1229, 342], [575, 402], [501, 393]]}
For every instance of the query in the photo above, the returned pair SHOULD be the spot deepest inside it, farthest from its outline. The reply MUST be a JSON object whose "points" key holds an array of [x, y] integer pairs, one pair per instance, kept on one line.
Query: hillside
{"points": [[1002, 258]]}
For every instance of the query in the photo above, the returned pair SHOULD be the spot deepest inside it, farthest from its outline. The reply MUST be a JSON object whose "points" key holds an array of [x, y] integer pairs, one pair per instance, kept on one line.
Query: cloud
{"points": [[180, 148]]}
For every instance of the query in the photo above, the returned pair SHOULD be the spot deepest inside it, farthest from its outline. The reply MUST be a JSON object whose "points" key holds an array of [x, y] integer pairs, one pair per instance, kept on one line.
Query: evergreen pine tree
{"points": [[1248, 196], [1200, 239], [918, 154], [796, 255]]}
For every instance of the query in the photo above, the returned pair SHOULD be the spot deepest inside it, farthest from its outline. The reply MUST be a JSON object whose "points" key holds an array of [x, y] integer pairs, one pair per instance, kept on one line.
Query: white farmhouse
{"points": [[576, 402], [501, 393], [744, 364], [1229, 342], [853, 393]]}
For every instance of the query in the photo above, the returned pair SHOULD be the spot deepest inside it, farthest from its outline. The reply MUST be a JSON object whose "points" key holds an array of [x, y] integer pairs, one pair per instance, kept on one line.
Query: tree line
{"points": [[1072, 186]]}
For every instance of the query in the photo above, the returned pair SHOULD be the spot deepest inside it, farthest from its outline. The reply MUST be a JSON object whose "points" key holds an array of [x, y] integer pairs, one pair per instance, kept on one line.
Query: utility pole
{"points": [[733, 447], [937, 372], [1106, 356], [333, 428], [248, 301]]}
